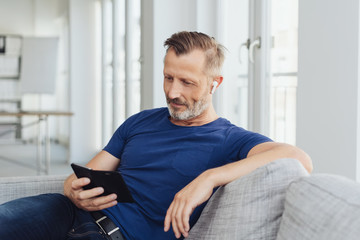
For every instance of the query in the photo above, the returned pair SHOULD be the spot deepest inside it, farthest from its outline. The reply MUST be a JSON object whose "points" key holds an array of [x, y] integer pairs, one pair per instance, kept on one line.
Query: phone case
{"points": [[111, 181]]}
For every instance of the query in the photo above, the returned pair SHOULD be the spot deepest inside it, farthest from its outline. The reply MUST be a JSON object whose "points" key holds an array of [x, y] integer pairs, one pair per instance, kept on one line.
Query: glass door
{"points": [[234, 97], [246, 65], [260, 72], [283, 84]]}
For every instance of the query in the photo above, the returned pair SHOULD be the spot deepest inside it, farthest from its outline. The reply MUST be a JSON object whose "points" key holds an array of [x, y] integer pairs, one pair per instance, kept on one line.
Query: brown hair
{"points": [[185, 42]]}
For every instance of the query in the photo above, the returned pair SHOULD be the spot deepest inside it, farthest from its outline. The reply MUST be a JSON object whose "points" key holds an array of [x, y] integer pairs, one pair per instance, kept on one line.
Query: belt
{"points": [[107, 226]]}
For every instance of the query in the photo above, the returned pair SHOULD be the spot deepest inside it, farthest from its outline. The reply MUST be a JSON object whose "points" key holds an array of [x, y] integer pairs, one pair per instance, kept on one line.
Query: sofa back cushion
{"points": [[250, 207], [17, 187], [320, 207]]}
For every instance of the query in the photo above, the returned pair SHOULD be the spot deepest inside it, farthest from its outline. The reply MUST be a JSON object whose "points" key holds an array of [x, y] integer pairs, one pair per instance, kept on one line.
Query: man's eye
{"points": [[186, 82], [168, 78]]}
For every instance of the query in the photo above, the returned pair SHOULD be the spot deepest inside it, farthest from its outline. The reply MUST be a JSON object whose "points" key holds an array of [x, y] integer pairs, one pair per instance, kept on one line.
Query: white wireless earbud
{"points": [[215, 83]]}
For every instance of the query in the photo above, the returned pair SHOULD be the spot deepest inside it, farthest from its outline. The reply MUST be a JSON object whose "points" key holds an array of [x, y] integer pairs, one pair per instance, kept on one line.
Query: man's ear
{"points": [[216, 82], [219, 79]]}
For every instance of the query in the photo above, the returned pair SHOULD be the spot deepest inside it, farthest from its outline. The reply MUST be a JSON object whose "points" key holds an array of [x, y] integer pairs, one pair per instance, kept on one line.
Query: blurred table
{"points": [[42, 164]]}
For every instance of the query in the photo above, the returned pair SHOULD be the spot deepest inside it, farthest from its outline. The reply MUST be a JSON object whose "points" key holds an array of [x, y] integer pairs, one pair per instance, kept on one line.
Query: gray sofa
{"points": [[278, 201]]}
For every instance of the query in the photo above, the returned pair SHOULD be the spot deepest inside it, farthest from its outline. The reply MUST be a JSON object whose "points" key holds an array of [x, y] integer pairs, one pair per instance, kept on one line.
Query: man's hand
{"points": [[184, 203], [88, 199]]}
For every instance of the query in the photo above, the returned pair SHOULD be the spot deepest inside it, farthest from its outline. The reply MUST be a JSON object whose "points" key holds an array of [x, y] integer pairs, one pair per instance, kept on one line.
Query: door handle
{"points": [[256, 43], [245, 44]]}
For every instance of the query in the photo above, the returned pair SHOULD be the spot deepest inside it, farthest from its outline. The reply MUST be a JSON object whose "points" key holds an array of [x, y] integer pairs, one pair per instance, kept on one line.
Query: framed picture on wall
{"points": [[2, 44]]}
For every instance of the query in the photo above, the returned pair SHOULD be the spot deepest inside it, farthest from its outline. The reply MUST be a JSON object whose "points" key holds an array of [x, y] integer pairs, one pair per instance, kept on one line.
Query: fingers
{"points": [[80, 183], [185, 201], [167, 221], [89, 200], [178, 216], [100, 203], [96, 203], [177, 222], [90, 193]]}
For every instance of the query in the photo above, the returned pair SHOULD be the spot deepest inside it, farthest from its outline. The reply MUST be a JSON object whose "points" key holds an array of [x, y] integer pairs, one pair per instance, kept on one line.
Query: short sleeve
{"points": [[116, 143], [241, 141]]}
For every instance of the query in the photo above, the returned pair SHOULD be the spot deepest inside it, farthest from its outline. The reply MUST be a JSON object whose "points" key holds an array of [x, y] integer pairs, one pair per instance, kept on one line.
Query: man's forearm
{"points": [[260, 157]]}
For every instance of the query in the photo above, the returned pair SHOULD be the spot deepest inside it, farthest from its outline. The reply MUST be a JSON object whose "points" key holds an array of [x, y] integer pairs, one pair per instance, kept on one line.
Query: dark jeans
{"points": [[47, 216]]}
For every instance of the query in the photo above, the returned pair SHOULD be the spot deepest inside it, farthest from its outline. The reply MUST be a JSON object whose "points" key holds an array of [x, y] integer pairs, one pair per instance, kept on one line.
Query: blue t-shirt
{"points": [[159, 158]]}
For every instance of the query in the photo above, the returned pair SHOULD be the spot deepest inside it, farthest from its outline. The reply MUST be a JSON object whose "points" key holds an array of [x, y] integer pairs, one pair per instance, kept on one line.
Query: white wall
{"points": [[19, 13], [328, 89]]}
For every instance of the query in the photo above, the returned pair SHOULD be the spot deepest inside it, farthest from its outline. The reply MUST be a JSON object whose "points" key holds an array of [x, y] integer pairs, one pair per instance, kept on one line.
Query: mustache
{"points": [[176, 101]]}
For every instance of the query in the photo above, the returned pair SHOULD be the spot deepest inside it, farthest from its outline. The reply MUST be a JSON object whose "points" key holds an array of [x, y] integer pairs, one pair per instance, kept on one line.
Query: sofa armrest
{"points": [[17, 187], [249, 207]]}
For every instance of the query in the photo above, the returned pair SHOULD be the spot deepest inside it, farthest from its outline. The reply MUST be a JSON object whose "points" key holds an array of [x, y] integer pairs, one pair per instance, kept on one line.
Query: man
{"points": [[173, 158]]}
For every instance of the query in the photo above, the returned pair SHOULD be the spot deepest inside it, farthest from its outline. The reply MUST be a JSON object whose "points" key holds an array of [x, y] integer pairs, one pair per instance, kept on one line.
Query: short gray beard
{"points": [[190, 112]]}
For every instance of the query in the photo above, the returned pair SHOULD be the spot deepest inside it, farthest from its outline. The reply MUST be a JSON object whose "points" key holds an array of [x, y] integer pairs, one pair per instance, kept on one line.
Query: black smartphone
{"points": [[111, 181]]}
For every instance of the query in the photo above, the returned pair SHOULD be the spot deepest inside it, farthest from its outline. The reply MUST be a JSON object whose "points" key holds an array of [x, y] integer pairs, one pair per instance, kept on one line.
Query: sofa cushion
{"points": [[322, 206], [249, 207], [16, 187]]}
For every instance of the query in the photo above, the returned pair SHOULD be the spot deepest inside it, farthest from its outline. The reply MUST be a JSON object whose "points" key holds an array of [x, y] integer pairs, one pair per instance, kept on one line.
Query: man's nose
{"points": [[174, 90]]}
